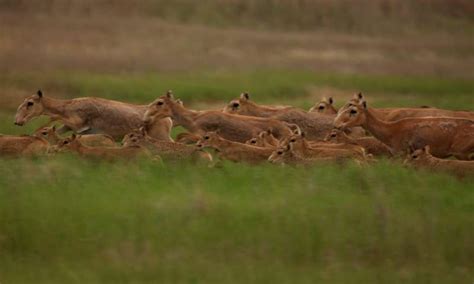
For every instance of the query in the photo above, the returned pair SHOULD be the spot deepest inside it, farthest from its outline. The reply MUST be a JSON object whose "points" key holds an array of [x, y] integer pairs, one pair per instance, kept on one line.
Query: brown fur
{"points": [[314, 124], [91, 115], [446, 135], [286, 156], [232, 127], [50, 134], [370, 144], [106, 153], [15, 146], [325, 106], [264, 139], [187, 138], [301, 147], [234, 151], [422, 158], [244, 106], [166, 149], [394, 114]]}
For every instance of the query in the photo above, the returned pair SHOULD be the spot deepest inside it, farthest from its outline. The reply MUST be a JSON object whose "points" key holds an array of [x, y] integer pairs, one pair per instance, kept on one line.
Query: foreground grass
{"points": [[70, 221]]}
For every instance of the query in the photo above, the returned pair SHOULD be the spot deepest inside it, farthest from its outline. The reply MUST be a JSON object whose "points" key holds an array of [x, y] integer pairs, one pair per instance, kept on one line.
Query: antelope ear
{"points": [[331, 101], [39, 93], [360, 96], [245, 96], [169, 94], [297, 130]]}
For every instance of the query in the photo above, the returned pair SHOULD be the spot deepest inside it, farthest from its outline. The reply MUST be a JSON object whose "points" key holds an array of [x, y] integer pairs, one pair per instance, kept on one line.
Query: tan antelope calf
{"points": [[25, 145], [106, 153], [370, 144], [244, 106], [98, 140], [264, 139], [287, 156], [446, 135], [167, 150], [303, 149], [422, 158], [234, 151], [91, 115], [325, 106], [233, 127]]}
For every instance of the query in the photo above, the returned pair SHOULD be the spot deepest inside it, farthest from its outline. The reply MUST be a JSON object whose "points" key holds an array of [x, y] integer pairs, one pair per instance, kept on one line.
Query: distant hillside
{"points": [[362, 16]]}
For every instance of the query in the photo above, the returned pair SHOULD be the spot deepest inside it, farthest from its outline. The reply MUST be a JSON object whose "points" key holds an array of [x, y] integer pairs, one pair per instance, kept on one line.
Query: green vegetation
{"points": [[266, 86], [70, 221]]}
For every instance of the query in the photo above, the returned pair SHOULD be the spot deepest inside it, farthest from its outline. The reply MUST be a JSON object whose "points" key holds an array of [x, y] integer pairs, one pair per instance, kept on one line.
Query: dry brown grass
{"points": [[113, 44]]}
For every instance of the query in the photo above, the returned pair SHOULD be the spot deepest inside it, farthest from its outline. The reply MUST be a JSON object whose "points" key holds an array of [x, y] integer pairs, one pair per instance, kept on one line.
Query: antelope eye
{"points": [[235, 104], [333, 135], [159, 103], [353, 111], [66, 142], [321, 107], [206, 137], [44, 133], [414, 156], [293, 140], [30, 104], [280, 152], [253, 141]]}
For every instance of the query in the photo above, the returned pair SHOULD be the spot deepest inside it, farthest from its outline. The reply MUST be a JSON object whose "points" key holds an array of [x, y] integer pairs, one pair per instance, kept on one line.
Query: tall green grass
{"points": [[65, 220], [266, 85]]}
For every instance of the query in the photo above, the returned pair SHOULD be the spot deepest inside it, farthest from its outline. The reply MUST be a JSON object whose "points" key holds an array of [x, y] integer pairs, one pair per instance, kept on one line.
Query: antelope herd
{"points": [[244, 131]]}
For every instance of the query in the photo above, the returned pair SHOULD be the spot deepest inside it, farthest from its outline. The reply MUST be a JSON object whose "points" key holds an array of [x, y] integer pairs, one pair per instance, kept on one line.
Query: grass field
{"points": [[69, 221], [66, 220]]}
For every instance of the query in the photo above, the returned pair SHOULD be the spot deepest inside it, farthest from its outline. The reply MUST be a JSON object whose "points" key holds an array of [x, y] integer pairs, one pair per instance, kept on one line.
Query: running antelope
{"points": [[91, 115], [49, 133], [422, 158], [370, 144], [315, 125], [233, 127], [446, 135], [234, 151], [325, 106], [25, 145], [108, 153], [166, 150]]}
